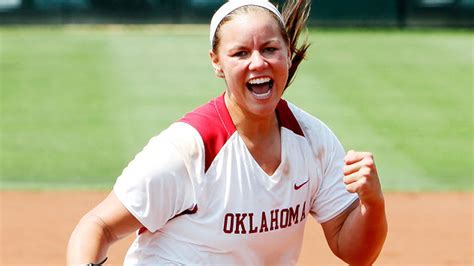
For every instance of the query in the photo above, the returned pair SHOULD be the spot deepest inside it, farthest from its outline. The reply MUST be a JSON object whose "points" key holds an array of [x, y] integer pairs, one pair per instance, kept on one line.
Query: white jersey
{"points": [[203, 199]]}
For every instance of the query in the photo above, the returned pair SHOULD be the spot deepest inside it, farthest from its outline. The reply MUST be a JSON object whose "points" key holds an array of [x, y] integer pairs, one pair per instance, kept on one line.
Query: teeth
{"points": [[262, 96], [259, 80]]}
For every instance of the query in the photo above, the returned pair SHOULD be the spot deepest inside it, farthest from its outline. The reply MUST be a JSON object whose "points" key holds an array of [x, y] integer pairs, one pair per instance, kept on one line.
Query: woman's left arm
{"points": [[358, 234]]}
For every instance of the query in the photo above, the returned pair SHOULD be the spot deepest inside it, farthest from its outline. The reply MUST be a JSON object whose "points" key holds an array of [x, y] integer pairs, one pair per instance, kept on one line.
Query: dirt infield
{"points": [[429, 228]]}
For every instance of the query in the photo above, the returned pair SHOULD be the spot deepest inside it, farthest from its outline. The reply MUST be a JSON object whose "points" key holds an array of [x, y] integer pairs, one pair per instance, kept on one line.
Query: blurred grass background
{"points": [[78, 102]]}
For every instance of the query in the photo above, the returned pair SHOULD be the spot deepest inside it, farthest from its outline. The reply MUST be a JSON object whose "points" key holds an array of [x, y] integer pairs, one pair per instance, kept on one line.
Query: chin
{"points": [[264, 110]]}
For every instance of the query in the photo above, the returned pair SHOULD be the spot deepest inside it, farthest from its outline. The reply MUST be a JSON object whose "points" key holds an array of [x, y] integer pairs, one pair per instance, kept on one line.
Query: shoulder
{"points": [[311, 126], [210, 119], [182, 137], [287, 118], [321, 139], [214, 125]]}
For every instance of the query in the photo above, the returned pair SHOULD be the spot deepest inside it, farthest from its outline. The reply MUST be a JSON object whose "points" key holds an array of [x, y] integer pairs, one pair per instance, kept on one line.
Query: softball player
{"points": [[234, 181]]}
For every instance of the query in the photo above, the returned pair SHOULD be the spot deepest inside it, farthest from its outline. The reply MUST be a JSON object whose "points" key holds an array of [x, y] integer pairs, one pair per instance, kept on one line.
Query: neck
{"points": [[252, 127], [261, 135]]}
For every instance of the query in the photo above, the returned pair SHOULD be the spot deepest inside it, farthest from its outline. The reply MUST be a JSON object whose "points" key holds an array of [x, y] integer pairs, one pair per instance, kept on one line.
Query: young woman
{"points": [[234, 181]]}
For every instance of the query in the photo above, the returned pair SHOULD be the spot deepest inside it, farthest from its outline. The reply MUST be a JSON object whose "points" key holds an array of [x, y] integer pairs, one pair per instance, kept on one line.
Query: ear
{"points": [[215, 64]]}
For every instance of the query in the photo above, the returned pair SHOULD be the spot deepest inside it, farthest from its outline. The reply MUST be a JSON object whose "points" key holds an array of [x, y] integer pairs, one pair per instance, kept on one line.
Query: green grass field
{"points": [[78, 102]]}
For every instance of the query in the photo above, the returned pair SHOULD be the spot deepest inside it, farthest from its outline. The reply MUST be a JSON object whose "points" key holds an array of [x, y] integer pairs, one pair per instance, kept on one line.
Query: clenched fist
{"points": [[361, 177]]}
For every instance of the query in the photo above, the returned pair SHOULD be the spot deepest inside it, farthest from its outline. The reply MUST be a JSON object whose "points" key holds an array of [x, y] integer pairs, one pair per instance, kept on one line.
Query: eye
{"points": [[270, 49], [240, 54]]}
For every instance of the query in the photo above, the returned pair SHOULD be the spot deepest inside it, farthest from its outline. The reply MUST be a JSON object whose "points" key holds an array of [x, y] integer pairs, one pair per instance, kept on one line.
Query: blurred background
{"points": [[86, 83], [400, 13]]}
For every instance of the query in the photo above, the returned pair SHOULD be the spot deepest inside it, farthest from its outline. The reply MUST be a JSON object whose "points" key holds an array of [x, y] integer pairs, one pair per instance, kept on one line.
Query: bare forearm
{"points": [[89, 242], [362, 235]]}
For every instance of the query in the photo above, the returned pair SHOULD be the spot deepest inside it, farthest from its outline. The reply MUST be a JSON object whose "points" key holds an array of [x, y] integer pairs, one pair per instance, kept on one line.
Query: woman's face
{"points": [[254, 59]]}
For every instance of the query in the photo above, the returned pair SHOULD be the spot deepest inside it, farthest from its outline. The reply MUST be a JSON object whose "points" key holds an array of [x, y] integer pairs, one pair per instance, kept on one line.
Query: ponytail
{"points": [[295, 14]]}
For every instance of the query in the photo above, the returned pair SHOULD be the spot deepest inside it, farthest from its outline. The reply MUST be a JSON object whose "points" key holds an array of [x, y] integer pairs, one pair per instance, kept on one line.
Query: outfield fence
{"points": [[367, 13]]}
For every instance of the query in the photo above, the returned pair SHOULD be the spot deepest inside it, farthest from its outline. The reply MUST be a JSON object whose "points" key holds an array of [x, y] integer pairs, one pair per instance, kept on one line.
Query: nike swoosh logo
{"points": [[301, 185]]}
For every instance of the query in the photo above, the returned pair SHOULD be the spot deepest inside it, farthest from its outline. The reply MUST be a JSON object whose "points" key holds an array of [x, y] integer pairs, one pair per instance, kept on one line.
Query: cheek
{"points": [[282, 65], [282, 60], [281, 70], [235, 72]]}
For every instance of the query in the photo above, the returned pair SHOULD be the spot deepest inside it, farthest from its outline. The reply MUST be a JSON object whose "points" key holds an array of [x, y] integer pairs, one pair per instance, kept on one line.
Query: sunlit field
{"points": [[78, 102]]}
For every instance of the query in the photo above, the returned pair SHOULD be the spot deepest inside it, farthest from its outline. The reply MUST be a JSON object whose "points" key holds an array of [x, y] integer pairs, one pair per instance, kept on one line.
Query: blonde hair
{"points": [[295, 15]]}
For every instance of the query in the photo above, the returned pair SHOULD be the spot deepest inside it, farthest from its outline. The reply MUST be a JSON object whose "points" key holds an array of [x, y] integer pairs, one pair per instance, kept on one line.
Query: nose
{"points": [[257, 61]]}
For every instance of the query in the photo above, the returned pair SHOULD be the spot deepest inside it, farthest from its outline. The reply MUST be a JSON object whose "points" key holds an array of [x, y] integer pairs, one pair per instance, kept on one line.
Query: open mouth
{"points": [[261, 88]]}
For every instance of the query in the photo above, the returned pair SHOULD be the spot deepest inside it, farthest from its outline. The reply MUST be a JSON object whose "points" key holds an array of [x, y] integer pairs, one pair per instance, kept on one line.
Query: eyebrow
{"points": [[240, 47]]}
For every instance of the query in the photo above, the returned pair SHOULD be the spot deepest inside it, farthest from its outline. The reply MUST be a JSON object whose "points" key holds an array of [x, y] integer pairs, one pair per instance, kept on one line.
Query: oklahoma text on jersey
{"points": [[247, 223]]}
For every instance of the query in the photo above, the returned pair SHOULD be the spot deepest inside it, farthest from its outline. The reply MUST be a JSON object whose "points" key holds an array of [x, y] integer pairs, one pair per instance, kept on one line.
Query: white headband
{"points": [[232, 5]]}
